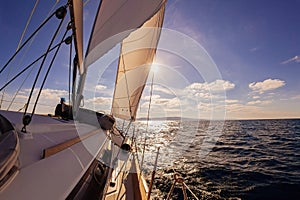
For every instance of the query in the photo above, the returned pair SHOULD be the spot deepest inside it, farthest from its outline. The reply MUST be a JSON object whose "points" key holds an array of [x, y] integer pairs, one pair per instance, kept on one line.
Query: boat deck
{"points": [[128, 186], [53, 177]]}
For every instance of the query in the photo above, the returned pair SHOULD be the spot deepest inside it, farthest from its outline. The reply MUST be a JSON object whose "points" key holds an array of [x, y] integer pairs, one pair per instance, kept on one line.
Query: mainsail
{"points": [[116, 17], [115, 21], [137, 53]]}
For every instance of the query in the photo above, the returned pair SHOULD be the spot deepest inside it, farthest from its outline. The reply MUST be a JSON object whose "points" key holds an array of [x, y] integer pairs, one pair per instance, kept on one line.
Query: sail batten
{"points": [[137, 54]]}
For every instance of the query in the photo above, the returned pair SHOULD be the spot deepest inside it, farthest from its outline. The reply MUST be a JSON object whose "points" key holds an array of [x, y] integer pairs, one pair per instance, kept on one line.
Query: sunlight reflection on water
{"points": [[251, 159]]}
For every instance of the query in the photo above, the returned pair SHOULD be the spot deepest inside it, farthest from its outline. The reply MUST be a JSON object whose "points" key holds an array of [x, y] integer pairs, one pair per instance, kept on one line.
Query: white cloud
{"points": [[236, 107], [47, 94], [295, 59], [158, 88], [208, 96], [259, 102], [216, 86], [205, 107], [147, 98], [161, 107], [49, 98], [198, 86], [203, 95], [208, 91], [266, 85], [242, 111], [231, 101], [54, 94], [174, 103], [100, 87], [169, 103], [99, 100], [220, 85]]}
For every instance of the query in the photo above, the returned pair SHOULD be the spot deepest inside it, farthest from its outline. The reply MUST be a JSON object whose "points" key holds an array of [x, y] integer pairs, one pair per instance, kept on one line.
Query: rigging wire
{"points": [[60, 13], [24, 107], [29, 66], [70, 71], [151, 93], [19, 44], [13, 99], [86, 2], [153, 174], [48, 70], [148, 117], [17, 92], [74, 74], [27, 23], [28, 39]]}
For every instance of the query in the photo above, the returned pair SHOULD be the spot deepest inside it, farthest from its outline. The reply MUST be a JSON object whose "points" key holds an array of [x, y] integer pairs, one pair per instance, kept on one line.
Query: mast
{"points": [[114, 21], [76, 14]]}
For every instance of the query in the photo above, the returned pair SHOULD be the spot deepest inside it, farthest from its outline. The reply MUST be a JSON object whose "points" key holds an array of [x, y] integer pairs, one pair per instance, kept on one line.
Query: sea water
{"points": [[236, 159]]}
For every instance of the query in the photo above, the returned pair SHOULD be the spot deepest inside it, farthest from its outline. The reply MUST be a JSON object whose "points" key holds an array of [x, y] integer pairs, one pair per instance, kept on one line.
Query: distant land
{"points": [[169, 119], [193, 119]]}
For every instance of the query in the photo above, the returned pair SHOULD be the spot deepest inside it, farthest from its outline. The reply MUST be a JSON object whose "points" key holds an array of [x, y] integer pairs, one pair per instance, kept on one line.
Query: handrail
{"points": [[64, 145]]}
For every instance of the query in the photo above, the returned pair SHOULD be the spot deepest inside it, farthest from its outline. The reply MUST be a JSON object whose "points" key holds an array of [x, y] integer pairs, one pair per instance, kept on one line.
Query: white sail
{"points": [[115, 17], [137, 53], [40, 156], [77, 9], [114, 21]]}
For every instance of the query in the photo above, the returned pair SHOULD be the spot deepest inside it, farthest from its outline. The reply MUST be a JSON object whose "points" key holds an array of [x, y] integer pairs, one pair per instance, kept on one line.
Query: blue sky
{"points": [[255, 46]]}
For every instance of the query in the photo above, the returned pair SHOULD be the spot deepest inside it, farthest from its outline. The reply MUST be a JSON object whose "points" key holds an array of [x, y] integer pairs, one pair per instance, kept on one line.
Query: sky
{"points": [[252, 49]]}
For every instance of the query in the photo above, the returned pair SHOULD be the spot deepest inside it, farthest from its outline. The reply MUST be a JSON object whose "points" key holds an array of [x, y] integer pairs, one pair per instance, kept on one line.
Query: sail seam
{"points": [[130, 111]]}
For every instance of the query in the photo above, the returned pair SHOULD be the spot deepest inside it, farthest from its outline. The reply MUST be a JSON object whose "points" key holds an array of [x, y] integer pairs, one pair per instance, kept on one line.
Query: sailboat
{"points": [[84, 156]]}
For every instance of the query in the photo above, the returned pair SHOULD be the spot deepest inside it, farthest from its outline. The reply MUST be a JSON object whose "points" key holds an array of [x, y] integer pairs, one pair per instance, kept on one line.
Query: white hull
{"points": [[65, 172], [53, 177]]}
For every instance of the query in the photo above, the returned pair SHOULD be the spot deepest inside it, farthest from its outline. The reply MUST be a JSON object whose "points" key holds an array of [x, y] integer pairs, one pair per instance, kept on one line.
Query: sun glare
{"points": [[155, 68]]}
